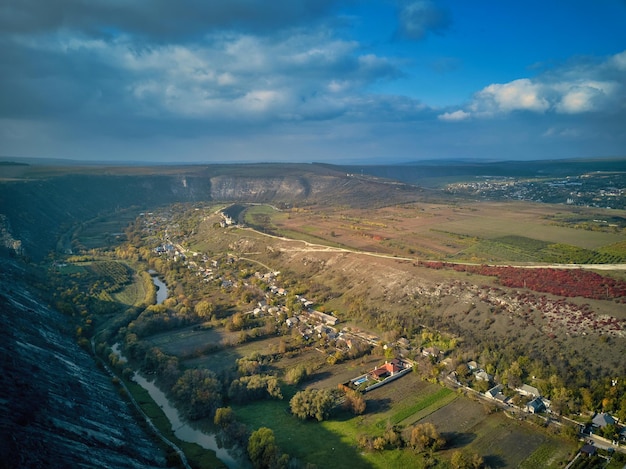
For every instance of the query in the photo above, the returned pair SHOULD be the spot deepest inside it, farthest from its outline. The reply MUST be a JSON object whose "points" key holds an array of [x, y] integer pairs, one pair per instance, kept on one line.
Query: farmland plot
{"points": [[504, 441]]}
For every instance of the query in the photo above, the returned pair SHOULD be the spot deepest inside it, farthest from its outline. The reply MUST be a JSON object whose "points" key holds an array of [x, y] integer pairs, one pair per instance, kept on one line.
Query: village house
{"points": [[323, 317], [588, 450], [603, 419], [494, 391], [535, 406], [526, 390], [390, 368], [292, 321], [431, 352]]}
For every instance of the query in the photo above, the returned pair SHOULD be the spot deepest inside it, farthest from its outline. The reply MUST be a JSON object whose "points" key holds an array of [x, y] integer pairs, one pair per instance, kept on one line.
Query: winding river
{"points": [[182, 429]]}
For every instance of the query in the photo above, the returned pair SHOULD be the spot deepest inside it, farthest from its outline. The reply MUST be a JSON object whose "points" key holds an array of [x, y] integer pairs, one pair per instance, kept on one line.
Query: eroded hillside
{"points": [[58, 408]]}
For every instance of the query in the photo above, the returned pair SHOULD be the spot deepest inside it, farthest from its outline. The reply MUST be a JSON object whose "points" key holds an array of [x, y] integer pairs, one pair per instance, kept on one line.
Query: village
{"points": [[324, 330]]}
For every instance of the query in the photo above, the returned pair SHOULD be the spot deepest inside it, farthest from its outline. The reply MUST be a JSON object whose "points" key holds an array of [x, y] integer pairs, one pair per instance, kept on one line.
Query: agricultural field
{"points": [[503, 440], [103, 231], [477, 232]]}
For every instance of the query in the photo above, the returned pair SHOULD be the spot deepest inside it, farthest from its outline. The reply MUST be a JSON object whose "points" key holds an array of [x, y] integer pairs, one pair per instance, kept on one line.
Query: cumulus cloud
{"points": [[459, 115], [520, 94], [619, 61], [251, 78], [419, 17], [573, 89]]}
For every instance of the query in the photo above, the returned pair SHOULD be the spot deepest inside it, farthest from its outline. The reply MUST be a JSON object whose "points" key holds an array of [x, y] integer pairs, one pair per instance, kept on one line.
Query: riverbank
{"points": [[187, 447]]}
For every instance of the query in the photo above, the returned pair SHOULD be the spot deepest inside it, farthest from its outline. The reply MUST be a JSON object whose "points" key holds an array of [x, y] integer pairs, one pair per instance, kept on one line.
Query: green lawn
{"points": [[326, 444]]}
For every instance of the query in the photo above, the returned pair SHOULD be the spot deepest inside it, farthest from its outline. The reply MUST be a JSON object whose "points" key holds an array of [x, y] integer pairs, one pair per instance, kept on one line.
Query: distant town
{"points": [[598, 189]]}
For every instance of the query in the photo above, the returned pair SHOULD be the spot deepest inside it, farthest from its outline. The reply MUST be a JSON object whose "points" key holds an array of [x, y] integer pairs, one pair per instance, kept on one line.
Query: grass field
{"points": [[139, 292], [466, 424]]}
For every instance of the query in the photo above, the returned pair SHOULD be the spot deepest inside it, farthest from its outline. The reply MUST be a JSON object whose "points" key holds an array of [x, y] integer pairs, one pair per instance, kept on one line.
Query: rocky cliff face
{"points": [[57, 409], [259, 189], [35, 213]]}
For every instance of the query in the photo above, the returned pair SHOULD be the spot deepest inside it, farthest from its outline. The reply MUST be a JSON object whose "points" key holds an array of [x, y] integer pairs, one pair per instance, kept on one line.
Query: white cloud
{"points": [[517, 95], [619, 61], [575, 89], [454, 116], [566, 133], [583, 97]]}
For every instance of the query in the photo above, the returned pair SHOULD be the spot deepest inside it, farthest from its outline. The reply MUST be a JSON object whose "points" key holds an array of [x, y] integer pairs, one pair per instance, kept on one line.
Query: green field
{"points": [[504, 442], [484, 227]]}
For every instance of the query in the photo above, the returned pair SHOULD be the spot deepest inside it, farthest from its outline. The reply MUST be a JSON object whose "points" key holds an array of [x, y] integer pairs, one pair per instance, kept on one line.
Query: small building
{"points": [[323, 317], [603, 419], [482, 375], [493, 392], [588, 450], [526, 390], [380, 373], [535, 406], [431, 352], [403, 342]]}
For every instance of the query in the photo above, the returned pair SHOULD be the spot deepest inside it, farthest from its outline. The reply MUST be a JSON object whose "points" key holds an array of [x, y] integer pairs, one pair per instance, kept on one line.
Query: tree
{"points": [[262, 448], [224, 416], [355, 402], [425, 436], [312, 403], [463, 460], [200, 392], [204, 309], [296, 374]]}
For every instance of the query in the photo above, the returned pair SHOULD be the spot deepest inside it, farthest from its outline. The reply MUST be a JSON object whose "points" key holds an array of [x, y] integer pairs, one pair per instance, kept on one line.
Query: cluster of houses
{"points": [[309, 322], [535, 402]]}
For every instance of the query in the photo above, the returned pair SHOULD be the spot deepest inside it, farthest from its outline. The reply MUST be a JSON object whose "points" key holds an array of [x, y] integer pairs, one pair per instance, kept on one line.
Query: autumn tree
{"points": [[466, 460], [224, 416], [204, 309], [425, 436], [255, 387], [355, 402], [296, 374]]}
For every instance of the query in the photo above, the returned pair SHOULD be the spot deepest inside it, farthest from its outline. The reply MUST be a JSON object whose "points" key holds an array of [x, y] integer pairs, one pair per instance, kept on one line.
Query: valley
{"points": [[403, 271]]}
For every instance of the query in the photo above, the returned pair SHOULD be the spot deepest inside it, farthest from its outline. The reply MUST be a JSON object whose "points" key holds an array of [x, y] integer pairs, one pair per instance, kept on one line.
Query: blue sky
{"points": [[335, 81]]}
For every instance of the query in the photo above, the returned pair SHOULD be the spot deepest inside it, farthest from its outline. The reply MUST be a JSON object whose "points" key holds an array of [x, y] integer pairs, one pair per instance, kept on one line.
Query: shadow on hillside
{"points": [[320, 376], [458, 439], [494, 461]]}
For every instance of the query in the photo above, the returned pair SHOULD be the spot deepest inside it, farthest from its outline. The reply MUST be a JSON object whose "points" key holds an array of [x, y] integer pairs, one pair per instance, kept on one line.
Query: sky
{"points": [[335, 81]]}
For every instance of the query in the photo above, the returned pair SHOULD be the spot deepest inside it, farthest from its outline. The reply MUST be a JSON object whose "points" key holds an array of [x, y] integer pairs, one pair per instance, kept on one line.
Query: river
{"points": [[182, 430], [161, 294]]}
